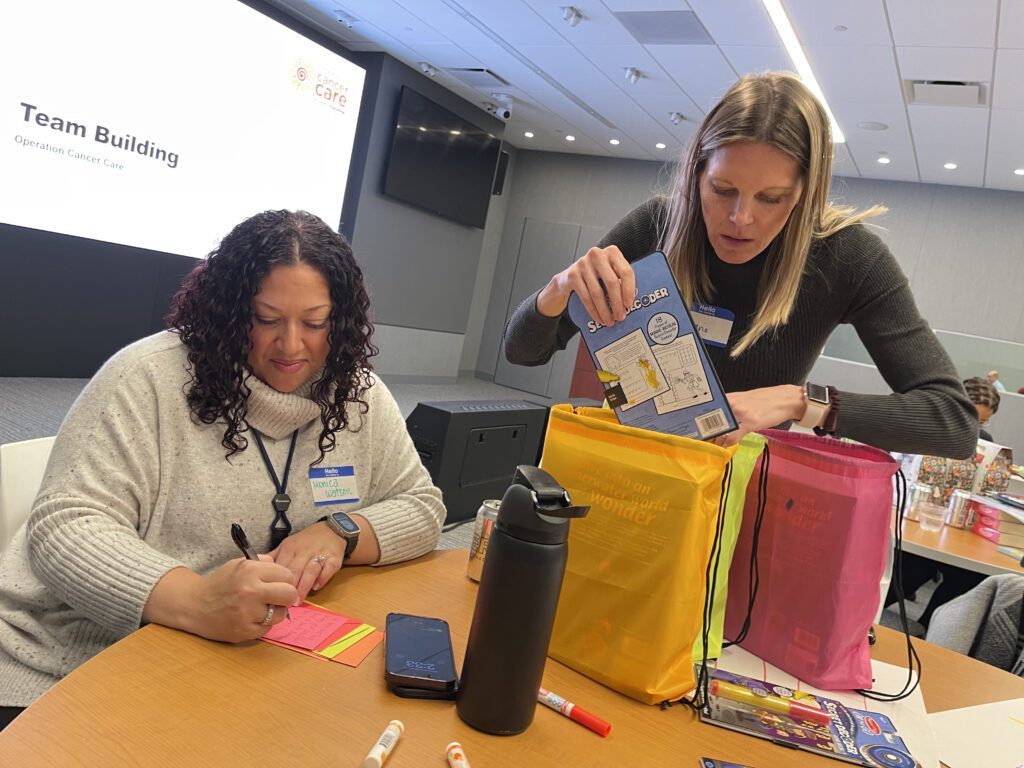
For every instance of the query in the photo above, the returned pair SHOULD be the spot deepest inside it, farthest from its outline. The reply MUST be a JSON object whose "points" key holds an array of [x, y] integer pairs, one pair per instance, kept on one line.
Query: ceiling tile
{"points": [[737, 22], [944, 23], [446, 55], [856, 74], [999, 171], [1008, 85], [613, 60], [972, 65], [898, 148], [815, 22], [700, 70], [950, 134], [599, 25], [393, 19], [511, 20], [843, 163], [747, 59], [645, 5], [849, 113], [1011, 24]]}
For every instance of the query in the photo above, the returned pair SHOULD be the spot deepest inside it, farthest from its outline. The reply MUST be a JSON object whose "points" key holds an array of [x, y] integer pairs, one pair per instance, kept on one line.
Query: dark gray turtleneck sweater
{"points": [[851, 277]]}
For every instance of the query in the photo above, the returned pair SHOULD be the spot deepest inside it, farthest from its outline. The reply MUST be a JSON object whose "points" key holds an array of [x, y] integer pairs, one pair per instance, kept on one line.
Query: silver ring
{"points": [[269, 617], [321, 558]]}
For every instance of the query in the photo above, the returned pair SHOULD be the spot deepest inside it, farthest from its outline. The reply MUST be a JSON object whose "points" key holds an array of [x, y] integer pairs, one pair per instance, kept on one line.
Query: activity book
{"points": [[653, 365]]}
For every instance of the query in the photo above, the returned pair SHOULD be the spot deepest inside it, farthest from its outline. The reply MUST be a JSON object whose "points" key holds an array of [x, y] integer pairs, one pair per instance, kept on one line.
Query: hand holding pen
{"points": [[242, 542]]}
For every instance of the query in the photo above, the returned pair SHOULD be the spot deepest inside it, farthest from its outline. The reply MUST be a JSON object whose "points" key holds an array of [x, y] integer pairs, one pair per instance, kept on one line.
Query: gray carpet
{"points": [[31, 407]]}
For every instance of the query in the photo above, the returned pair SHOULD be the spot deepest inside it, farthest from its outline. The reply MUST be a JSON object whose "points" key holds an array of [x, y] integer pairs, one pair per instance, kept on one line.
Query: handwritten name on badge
{"points": [[714, 324], [333, 485]]}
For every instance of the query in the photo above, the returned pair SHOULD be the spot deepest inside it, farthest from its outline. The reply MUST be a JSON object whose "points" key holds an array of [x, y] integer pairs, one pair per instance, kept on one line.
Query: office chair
{"points": [[21, 472]]}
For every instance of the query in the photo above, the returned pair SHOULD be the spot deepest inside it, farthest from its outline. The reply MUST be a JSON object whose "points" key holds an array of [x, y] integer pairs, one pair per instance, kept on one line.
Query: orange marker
{"points": [[570, 710]]}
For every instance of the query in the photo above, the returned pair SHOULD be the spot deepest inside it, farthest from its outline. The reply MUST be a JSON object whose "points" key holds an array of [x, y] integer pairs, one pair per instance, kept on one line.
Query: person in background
{"points": [[263, 378], [748, 228], [986, 401], [993, 377]]}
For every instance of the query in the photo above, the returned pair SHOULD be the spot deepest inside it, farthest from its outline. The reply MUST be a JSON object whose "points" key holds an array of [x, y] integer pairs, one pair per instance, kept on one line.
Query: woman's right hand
{"points": [[229, 605], [585, 277]]}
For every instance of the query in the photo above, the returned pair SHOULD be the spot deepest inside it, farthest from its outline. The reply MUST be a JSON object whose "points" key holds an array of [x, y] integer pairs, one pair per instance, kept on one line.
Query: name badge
{"points": [[333, 485], [714, 324]]}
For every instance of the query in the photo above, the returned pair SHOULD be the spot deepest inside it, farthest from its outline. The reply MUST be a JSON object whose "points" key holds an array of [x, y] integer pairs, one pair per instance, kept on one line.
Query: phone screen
{"points": [[418, 652]]}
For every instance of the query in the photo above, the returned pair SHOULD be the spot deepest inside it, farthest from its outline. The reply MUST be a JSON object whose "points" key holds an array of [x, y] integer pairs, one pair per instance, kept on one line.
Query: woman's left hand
{"points": [[313, 555], [763, 408]]}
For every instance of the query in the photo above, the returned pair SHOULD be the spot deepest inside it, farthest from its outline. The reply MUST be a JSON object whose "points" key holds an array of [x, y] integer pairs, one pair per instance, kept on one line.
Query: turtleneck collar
{"points": [[278, 414]]}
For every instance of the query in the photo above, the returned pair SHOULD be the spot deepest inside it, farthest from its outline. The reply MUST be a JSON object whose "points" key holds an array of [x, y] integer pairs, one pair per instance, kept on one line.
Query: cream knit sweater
{"points": [[135, 487]]}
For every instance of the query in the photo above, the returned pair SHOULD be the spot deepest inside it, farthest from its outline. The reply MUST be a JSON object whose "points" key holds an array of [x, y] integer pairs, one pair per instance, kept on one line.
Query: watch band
{"points": [[815, 410]]}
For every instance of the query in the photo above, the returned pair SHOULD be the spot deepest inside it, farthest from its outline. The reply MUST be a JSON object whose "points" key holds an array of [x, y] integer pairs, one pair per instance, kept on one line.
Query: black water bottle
{"points": [[515, 605]]}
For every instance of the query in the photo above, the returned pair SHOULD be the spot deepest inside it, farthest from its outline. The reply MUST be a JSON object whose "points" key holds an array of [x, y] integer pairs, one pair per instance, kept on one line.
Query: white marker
{"points": [[456, 756], [379, 754]]}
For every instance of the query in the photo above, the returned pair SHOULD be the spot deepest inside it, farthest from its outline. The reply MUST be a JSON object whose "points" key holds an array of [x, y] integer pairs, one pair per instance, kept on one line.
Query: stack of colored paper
{"points": [[324, 634]]}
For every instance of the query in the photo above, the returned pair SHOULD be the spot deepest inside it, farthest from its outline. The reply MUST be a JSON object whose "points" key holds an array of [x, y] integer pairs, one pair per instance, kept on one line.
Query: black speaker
{"points": [[471, 448], [499, 174]]}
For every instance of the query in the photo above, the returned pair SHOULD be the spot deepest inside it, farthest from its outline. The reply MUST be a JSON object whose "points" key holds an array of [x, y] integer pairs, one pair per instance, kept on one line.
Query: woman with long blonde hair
{"points": [[752, 238]]}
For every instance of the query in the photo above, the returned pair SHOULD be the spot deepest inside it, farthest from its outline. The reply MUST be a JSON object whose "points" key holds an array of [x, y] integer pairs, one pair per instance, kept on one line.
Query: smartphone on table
{"points": [[418, 658]]}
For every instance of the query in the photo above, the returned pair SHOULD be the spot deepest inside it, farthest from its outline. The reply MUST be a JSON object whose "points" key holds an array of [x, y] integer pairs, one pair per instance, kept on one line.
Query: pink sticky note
{"points": [[345, 629], [308, 628]]}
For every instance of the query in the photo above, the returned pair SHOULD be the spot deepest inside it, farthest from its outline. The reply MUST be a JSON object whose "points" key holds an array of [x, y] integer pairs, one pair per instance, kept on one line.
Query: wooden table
{"points": [[958, 546], [163, 697]]}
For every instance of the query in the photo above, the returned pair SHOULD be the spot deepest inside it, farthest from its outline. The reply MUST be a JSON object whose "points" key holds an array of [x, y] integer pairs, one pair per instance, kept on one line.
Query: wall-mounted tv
{"points": [[441, 162]]}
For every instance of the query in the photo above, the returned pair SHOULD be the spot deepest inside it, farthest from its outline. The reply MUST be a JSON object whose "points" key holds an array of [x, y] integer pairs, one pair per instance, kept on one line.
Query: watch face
{"points": [[817, 393], [346, 523]]}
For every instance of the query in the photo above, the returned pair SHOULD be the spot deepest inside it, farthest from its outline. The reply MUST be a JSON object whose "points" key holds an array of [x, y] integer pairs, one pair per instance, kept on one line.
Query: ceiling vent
{"points": [[946, 93], [665, 27], [478, 77]]}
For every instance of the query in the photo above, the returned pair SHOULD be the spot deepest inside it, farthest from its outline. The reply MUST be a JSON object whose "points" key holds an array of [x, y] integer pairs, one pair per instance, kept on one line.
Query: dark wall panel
{"points": [[67, 303]]}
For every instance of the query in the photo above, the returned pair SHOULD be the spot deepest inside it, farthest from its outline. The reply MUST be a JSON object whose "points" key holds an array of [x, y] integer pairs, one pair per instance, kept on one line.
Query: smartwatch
{"points": [[346, 527], [817, 400]]}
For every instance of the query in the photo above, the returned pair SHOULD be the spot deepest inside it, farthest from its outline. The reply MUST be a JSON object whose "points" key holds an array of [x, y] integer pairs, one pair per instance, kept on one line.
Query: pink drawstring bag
{"points": [[820, 556]]}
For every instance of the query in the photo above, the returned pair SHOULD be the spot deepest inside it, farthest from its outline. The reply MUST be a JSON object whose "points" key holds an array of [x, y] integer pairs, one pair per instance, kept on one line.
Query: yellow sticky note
{"points": [[347, 641]]}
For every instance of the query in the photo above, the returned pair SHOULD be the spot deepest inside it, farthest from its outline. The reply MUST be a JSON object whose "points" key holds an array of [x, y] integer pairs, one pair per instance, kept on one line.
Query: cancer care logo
{"points": [[324, 87], [302, 73]]}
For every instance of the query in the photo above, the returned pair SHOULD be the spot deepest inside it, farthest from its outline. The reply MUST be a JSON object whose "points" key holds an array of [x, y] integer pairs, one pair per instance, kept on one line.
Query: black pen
{"points": [[242, 542]]}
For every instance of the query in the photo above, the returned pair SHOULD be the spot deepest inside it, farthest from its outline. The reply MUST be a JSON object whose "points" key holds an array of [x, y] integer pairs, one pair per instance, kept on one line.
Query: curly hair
{"points": [[212, 313]]}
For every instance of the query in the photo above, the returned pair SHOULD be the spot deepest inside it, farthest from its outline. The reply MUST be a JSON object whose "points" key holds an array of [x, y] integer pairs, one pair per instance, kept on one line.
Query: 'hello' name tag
{"points": [[714, 324], [333, 485]]}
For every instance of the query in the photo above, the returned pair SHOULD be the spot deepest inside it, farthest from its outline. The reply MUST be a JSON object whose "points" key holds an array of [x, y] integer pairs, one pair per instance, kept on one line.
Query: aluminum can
{"points": [[956, 513], [486, 517], [921, 493]]}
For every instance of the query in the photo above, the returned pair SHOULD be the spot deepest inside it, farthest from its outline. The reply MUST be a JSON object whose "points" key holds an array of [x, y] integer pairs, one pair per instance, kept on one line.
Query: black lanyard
{"points": [[281, 527]]}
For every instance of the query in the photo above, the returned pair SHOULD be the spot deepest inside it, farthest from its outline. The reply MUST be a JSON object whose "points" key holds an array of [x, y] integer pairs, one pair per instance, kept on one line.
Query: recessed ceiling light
{"points": [[613, 142], [885, 159], [528, 134], [869, 125], [1019, 171], [423, 128], [660, 145], [455, 133], [950, 166], [570, 137]]}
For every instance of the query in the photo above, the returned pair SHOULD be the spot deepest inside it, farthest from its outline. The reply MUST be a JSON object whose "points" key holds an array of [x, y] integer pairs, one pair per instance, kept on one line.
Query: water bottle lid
{"points": [[536, 508]]}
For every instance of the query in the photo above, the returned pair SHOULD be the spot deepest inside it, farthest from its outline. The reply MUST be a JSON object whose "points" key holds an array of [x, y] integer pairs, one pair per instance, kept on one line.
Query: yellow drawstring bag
{"points": [[632, 601]]}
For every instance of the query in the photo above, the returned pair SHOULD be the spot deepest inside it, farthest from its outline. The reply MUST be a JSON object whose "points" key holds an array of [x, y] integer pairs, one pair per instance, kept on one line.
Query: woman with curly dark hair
{"points": [[257, 407]]}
